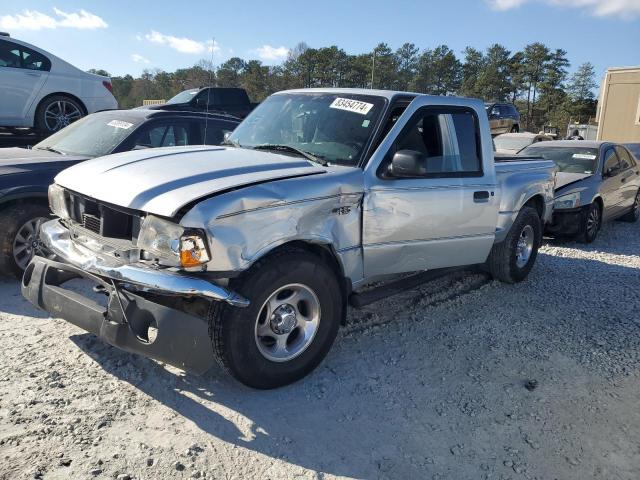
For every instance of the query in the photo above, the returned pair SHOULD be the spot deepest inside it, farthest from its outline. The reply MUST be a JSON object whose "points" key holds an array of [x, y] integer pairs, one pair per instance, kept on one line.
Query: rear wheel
{"points": [[19, 236], [511, 260], [289, 326], [634, 213], [56, 112], [591, 224]]}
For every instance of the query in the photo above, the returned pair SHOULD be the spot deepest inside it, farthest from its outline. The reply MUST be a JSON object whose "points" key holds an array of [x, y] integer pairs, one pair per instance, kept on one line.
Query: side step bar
{"points": [[359, 300]]}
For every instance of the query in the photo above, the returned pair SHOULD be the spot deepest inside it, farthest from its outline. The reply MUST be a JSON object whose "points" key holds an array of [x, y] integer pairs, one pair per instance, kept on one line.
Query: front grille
{"points": [[105, 220], [91, 222]]}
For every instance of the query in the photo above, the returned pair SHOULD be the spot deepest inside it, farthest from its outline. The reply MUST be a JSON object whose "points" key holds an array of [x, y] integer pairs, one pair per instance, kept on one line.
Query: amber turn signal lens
{"points": [[193, 251]]}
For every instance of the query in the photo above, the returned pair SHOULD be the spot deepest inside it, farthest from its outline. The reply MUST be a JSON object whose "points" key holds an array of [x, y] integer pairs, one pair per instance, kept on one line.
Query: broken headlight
{"points": [[171, 244], [572, 200], [58, 201]]}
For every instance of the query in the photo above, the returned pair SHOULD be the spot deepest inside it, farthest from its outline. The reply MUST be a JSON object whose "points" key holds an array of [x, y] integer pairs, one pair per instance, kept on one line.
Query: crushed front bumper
{"points": [[566, 222], [127, 318]]}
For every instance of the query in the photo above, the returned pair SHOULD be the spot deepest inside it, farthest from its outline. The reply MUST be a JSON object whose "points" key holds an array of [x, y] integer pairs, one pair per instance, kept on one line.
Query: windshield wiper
{"points": [[51, 149], [289, 148]]}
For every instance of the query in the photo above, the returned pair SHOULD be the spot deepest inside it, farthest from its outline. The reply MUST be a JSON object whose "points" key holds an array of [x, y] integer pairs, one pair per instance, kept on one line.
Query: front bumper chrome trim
{"points": [[57, 238]]}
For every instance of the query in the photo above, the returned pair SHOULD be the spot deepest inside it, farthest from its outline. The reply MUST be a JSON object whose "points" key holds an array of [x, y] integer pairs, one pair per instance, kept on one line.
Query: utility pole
{"points": [[373, 67]]}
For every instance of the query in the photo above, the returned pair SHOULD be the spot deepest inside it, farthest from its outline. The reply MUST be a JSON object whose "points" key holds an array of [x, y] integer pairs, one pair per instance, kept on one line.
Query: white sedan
{"points": [[42, 91]]}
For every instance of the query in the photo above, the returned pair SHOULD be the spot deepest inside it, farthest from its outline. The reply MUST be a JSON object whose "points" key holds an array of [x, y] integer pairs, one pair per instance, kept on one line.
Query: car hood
{"points": [[564, 179], [17, 160], [162, 180]]}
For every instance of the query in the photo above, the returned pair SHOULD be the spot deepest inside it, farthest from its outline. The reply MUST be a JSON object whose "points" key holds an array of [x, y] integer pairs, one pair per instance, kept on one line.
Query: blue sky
{"points": [[129, 37]]}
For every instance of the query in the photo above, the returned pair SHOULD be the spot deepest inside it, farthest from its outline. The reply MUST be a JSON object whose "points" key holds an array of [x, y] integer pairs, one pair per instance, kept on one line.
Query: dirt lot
{"points": [[430, 384]]}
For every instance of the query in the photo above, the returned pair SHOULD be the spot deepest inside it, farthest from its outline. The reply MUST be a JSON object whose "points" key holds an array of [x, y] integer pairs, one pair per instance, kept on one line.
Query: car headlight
{"points": [[171, 243], [58, 201], [572, 200]]}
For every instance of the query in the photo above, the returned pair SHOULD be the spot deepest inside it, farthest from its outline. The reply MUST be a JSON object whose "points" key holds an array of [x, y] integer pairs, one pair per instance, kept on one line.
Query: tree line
{"points": [[536, 78]]}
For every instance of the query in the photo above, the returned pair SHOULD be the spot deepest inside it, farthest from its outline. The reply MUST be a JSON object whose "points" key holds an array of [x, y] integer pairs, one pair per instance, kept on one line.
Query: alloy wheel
{"points": [[593, 221], [59, 114], [524, 246], [287, 322], [27, 242]]}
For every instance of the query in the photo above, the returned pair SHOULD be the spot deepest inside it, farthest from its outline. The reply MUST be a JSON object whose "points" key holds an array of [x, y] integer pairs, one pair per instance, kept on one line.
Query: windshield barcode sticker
{"points": [[584, 156], [349, 105], [120, 124]]}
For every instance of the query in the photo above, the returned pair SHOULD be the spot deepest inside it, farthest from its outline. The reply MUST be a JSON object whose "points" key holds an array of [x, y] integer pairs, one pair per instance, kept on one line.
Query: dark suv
{"points": [[503, 118]]}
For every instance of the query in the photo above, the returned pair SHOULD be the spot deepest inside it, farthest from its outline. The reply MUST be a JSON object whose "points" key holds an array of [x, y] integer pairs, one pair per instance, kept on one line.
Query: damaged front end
{"points": [[139, 315]]}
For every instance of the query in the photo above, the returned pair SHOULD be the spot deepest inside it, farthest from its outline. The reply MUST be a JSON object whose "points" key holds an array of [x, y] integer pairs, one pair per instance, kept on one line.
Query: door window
{"points": [[611, 163], [10, 55], [448, 142], [625, 159], [215, 131], [163, 136]]}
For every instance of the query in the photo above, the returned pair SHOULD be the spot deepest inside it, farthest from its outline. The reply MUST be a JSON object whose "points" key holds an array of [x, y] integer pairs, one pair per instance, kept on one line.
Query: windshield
{"points": [[511, 143], [184, 97], [332, 127], [91, 136], [568, 159]]}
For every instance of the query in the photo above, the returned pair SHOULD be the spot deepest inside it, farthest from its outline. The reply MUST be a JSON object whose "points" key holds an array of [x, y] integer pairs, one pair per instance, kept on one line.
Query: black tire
{"points": [[48, 126], [633, 215], [233, 330], [590, 224], [503, 262], [12, 220], [515, 129]]}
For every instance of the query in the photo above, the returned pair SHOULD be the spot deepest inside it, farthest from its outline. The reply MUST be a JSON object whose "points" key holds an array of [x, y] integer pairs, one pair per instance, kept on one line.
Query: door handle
{"points": [[481, 196]]}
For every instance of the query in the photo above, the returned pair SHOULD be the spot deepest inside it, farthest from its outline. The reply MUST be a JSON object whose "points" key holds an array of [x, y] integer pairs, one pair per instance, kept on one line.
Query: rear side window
{"points": [[448, 139], [230, 97], [32, 60]]}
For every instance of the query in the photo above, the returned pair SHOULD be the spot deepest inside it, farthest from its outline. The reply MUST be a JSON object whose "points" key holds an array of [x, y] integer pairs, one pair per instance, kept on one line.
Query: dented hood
{"points": [[163, 180]]}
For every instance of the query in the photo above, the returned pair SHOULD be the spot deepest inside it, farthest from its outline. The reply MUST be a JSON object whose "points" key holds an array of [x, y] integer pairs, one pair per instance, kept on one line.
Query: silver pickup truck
{"points": [[249, 253]]}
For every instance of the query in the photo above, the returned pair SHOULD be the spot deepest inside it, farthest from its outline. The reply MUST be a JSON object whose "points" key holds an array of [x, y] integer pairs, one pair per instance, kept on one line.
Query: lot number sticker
{"points": [[349, 105], [120, 124], [584, 156]]}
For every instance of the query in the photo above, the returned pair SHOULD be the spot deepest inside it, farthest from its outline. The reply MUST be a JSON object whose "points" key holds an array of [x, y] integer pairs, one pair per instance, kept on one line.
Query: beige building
{"points": [[619, 105]]}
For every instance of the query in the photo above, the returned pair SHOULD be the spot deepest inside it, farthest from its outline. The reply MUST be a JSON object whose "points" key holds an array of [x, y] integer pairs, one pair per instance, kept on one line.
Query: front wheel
{"points": [[19, 236], [591, 223], [289, 326], [511, 260]]}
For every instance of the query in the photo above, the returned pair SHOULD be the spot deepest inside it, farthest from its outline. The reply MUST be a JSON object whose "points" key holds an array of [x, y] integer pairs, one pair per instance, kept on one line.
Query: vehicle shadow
{"points": [[364, 415]]}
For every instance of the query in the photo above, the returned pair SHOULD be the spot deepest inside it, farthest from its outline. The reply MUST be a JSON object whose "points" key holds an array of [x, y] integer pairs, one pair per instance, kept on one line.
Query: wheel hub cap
{"points": [[284, 319], [524, 246]]}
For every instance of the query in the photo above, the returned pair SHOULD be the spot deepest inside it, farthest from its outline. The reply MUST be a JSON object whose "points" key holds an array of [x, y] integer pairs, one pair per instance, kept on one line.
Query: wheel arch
{"points": [[537, 202]]}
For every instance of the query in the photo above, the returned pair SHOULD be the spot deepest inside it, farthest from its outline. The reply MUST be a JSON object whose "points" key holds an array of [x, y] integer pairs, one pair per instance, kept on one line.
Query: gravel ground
{"points": [[461, 378]]}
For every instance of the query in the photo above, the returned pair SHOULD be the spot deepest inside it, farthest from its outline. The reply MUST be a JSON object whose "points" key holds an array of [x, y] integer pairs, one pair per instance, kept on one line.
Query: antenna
{"points": [[206, 118], [373, 66]]}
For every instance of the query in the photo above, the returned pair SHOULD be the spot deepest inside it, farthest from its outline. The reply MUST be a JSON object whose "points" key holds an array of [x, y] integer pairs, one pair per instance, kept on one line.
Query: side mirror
{"points": [[408, 163], [201, 102], [226, 136], [610, 172]]}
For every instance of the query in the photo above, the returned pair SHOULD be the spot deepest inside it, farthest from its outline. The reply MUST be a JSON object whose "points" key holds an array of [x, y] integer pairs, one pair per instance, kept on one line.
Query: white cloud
{"points": [[82, 20], [35, 20], [626, 9], [136, 57], [269, 53], [183, 44]]}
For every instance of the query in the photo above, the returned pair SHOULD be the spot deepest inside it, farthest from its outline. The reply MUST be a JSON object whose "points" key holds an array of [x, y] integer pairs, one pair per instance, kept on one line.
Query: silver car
{"points": [[597, 181]]}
